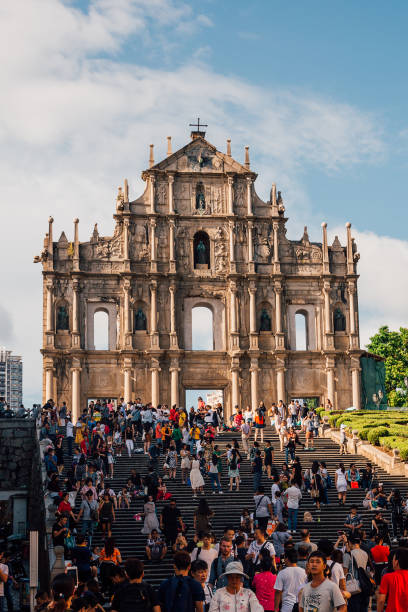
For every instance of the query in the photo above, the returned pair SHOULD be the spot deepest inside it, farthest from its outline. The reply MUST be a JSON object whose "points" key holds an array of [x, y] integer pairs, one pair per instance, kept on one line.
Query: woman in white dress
{"points": [[185, 463], [150, 521], [196, 479], [341, 484]]}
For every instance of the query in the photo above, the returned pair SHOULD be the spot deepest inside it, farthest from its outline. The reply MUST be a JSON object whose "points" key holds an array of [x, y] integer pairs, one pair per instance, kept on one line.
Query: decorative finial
{"points": [[169, 151], [151, 158], [324, 224], [198, 133], [348, 225], [229, 147], [50, 220], [126, 191], [247, 165]]}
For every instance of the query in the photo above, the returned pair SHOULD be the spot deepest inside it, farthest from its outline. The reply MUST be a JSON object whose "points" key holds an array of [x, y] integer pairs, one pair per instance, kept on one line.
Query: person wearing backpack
{"points": [[135, 595], [259, 424], [181, 593]]}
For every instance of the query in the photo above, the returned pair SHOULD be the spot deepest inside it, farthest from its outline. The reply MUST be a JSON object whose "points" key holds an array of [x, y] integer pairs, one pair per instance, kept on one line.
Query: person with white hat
{"points": [[343, 440], [234, 596]]}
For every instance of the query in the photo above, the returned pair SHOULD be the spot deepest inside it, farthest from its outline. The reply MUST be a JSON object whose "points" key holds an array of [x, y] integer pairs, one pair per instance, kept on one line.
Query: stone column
{"points": [[252, 310], [126, 288], [153, 262], [172, 250], [127, 384], [327, 317], [355, 386], [250, 243], [75, 260], [230, 196], [173, 330], [126, 260], [49, 383], [231, 241], [50, 307], [330, 384], [171, 200], [75, 304], [280, 384], [254, 383], [234, 388], [174, 383], [76, 337], [155, 385], [249, 193], [151, 193], [153, 307], [351, 292], [76, 393], [233, 311], [278, 309]]}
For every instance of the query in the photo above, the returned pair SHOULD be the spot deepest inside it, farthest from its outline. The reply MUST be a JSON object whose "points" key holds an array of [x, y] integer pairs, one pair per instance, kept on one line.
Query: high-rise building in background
{"points": [[11, 378]]}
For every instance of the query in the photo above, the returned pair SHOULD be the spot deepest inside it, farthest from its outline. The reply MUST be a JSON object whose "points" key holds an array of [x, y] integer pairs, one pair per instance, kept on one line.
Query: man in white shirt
{"points": [[69, 435], [293, 496], [275, 487], [205, 553], [288, 582]]}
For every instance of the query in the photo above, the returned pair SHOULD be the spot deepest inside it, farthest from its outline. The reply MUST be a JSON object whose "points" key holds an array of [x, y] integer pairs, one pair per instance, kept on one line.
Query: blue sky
{"points": [[317, 90]]}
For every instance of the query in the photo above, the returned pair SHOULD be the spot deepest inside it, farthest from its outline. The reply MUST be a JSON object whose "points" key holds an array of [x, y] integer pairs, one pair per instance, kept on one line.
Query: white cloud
{"points": [[383, 282], [75, 120]]}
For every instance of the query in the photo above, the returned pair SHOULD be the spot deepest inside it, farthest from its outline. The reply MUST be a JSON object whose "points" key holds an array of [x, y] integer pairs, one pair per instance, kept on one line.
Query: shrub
{"points": [[375, 434], [363, 433]]}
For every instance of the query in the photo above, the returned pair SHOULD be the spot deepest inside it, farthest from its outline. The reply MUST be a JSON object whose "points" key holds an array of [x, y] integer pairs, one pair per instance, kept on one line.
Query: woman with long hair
{"points": [[233, 469], [214, 474], [264, 583], [202, 516], [62, 589], [317, 485], [340, 482]]}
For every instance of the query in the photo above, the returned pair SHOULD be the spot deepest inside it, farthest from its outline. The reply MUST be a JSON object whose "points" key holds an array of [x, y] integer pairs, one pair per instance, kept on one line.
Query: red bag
{"points": [[354, 484]]}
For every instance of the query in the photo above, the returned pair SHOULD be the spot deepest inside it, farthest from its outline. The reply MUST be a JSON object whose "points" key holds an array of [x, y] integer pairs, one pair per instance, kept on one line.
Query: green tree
{"points": [[393, 346]]}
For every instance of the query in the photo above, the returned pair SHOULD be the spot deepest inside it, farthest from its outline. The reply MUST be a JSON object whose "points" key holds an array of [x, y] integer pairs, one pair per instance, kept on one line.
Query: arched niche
{"points": [[140, 319], [306, 325], [62, 316], [110, 309], [265, 317], [201, 250], [218, 321], [339, 319]]}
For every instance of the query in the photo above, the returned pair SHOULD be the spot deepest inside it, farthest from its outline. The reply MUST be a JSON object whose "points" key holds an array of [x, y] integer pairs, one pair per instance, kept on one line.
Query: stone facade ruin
{"points": [[199, 235]]}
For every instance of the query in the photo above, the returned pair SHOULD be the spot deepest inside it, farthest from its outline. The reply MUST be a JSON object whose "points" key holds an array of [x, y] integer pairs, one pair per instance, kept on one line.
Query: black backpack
{"points": [[367, 584]]}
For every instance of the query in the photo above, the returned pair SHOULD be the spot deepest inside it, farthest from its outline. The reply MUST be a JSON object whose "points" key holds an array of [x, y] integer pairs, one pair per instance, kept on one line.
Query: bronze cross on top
{"points": [[198, 125]]}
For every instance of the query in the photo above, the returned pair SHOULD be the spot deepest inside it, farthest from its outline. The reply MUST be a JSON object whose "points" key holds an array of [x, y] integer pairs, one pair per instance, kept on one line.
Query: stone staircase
{"points": [[228, 507]]}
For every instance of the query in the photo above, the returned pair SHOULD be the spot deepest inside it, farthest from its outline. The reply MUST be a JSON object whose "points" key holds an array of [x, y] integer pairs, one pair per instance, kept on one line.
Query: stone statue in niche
{"points": [[62, 318], [201, 253], [140, 321], [339, 321], [200, 197], [265, 321]]}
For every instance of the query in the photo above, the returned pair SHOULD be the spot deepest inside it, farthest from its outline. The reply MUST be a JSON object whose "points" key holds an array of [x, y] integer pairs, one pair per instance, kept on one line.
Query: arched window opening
{"points": [[201, 251], [301, 331], [101, 330], [265, 319], [202, 329]]}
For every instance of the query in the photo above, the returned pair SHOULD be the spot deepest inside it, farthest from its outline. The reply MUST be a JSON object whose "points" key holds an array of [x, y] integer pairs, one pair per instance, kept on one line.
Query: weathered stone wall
{"points": [[17, 442], [20, 468]]}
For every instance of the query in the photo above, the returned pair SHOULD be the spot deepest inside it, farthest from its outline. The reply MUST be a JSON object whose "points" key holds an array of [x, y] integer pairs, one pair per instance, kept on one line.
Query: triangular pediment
{"points": [[200, 156]]}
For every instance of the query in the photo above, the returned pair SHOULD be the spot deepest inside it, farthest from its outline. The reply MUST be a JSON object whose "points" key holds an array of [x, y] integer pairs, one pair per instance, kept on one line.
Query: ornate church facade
{"points": [[198, 236]]}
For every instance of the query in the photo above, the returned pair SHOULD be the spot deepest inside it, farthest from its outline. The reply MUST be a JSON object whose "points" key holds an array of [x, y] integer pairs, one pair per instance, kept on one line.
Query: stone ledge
{"points": [[392, 464]]}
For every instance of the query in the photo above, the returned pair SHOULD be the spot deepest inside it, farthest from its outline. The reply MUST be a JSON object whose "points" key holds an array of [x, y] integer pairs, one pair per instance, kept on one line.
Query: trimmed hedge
{"points": [[375, 434], [392, 442]]}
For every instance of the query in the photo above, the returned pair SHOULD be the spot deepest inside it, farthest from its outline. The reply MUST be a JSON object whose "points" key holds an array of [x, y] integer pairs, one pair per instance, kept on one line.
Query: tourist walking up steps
{"points": [[321, 594]]}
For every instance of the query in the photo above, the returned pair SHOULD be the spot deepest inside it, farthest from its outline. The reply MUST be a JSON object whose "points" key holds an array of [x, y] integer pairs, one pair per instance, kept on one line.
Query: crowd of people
{"points": [[258, 563]]}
